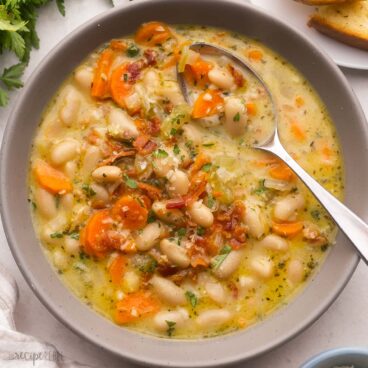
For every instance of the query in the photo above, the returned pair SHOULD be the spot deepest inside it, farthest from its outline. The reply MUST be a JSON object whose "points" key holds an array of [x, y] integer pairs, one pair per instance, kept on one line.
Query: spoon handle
{"points": [[352, 226]]}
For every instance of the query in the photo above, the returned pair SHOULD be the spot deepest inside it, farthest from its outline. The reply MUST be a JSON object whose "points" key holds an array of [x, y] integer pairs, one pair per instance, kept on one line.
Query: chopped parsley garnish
{"points": [[132, 50], [261, 187], [56, 235], [88, 191], [224, 252], [151, 217], [182, 231], [192, 298], [236, 117], [176, 149], [210, 201], [145, 263], [74, 235], [201, 231], [170, 327], [207, 167], [130, 183], [160, 153], [208, 144], [316, 214]]}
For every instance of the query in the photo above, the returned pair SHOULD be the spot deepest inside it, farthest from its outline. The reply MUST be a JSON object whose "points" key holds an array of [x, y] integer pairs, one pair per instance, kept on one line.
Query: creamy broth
{"points": [[159, 214]]}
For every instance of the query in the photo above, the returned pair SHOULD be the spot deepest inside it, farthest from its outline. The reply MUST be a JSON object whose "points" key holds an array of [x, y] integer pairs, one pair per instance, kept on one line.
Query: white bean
{"points": [[274, 242], [60, 259], [71, 246], [246, 283], [45, 202], [216, 292], [149, 236], [171, 91], [200, 214], [91, 159], [286, 209], [178, 182], [162, 165], [172, 216], [213, 318], [179, 316], [70, 109], [174, 253], [262, 266], [131, 281], [168, 291], [252, 219], [295, 271], [64, 151], [229, 265], [121, 125], [151, 81], [67, 201], [235, 116], [101, 195], [70, 169], [221, 77], [107, 174], [84, 77]]}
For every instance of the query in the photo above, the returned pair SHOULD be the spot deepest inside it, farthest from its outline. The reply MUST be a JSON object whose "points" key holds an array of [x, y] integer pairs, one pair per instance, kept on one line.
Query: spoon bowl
{"points": [[353, 227]]}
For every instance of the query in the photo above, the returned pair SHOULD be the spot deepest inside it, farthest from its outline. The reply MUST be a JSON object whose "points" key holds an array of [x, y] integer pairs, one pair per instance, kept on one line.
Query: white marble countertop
{"points": [[344, 324]]}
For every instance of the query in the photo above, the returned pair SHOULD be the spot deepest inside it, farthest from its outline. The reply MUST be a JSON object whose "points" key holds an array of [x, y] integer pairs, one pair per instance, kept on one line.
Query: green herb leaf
{"points": [[176, 149], [201, 231], [151, 217], [182, 231], [224, 252], [316, 214], [88, 191], [170, 327], [207, 167], [11, 76], [132, 184], [56, 235], [261, 188], [74, 235], [192, 298], [3, 97], [61, 6], [236, 117], [160, 153], [208, 144], [132, 50]]}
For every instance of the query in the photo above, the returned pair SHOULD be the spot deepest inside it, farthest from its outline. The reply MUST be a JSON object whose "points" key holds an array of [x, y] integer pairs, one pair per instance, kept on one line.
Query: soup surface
{"points": [[157, 212]]}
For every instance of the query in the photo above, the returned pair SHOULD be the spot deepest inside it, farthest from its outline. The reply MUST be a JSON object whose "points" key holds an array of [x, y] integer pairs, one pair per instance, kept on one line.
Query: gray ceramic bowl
{"points": [[282, 325]]}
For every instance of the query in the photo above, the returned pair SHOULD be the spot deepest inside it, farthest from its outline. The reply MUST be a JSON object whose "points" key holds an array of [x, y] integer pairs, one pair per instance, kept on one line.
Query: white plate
{"points": [[297, 15]]}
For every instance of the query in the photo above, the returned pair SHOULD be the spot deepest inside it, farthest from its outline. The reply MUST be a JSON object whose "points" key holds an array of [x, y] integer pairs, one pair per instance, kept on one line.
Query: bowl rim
{"points": [[60, 314], [336, 352]]}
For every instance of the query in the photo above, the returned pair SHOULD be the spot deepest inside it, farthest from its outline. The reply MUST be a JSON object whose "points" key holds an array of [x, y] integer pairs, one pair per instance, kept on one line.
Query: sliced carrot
{"points": [[251, 108], [53, 180], [208, 103], [135, 306], [199, 262], [288, 230], [131, 211], [94, 237], [152, 34], [297, 131], [255, 55], [119, 85], [116, 269], [299, 101], [197, 73], [118, 45], [281, 171], [100, 84]]}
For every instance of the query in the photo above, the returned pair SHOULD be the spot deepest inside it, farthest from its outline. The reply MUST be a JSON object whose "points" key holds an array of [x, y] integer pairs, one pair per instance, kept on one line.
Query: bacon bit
{"points": [[118, 45], [152, 192], [197, 187], [238, 76], [151, 57], [134, 70], [175, 203], [116, 156], [144, 145], [154, 126]]}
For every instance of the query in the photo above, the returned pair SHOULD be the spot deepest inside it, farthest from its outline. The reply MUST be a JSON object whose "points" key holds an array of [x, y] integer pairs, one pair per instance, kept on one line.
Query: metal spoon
{"points": [[353, 227]]}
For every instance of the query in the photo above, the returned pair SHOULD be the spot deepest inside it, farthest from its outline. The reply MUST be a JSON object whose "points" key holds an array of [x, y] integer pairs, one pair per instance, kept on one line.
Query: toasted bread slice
{"points": [[324, 2], [347, 23]]}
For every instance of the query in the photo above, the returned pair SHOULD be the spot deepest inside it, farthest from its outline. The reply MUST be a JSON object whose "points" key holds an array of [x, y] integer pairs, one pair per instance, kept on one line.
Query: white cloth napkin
{"points": [[18, 350]]}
